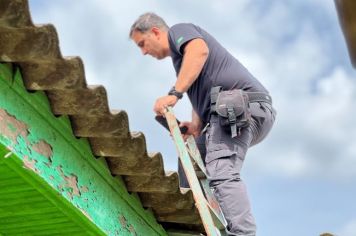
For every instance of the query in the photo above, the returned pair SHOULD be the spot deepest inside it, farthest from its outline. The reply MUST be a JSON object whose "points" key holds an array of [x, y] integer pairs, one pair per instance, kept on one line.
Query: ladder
{"points": [[209, 210]]}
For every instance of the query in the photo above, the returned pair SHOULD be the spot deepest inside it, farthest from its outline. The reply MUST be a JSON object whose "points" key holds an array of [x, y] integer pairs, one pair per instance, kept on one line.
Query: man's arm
{"points": [[196, 53], [194, 127]]}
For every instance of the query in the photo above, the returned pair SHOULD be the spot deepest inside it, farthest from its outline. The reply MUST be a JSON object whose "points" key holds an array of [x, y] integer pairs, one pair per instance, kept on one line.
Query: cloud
{"points": [[314, 95], [314, 135]]}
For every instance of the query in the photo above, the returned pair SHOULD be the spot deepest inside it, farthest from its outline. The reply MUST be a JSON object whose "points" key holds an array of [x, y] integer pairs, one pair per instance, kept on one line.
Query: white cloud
{"points": [[314, 135]]}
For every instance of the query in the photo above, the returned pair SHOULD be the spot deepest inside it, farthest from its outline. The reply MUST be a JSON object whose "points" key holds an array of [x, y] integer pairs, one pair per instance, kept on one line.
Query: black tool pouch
{"points": [[233, 109]]}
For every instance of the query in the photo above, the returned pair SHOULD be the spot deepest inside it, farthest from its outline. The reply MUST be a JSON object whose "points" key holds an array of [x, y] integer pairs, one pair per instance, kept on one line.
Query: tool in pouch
{"points": [[209, 210]]}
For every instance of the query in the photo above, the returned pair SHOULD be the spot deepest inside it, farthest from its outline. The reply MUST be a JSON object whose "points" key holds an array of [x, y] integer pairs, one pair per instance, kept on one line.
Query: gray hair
{"points": [[146, 21]]}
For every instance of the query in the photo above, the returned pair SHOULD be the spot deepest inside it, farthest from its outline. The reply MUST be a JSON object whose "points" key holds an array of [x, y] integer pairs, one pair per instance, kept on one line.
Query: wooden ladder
{"points": [[209, 210]]}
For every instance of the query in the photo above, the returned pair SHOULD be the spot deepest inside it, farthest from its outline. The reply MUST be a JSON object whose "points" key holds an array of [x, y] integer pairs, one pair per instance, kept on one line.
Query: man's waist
{"points": [[252, 96]]}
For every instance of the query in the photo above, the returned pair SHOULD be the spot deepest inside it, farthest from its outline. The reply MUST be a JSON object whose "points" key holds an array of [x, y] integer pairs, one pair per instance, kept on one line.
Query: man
{"points": [[202, 64]]}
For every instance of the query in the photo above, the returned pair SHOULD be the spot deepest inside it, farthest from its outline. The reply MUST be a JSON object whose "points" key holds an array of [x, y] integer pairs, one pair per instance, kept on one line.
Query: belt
{"points": [[259, 97], [252, 96]]}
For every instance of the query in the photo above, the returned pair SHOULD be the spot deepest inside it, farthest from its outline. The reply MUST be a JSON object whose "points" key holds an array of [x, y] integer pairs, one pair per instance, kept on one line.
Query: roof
{"points": [[346, 10], [36, 50], [39, 147]]}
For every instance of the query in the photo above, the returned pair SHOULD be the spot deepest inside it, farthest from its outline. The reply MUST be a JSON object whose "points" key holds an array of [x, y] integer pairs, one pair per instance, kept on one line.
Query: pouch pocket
{"points": [[233, 109]]}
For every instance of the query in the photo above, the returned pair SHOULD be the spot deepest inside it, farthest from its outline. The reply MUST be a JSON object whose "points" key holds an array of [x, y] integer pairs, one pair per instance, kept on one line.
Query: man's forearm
{"points": [[195, 55]]}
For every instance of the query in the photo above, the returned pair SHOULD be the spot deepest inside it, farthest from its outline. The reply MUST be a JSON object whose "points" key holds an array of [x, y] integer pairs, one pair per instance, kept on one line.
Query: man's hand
{"points": [[193, 129], [163, 102]]}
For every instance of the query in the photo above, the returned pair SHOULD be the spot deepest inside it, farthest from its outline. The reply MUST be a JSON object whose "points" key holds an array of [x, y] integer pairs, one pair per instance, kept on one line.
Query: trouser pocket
{"points": [[220, 166]]}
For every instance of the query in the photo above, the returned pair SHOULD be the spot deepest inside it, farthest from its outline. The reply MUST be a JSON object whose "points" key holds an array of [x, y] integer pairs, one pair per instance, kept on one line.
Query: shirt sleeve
{"points": [[181, 34]]}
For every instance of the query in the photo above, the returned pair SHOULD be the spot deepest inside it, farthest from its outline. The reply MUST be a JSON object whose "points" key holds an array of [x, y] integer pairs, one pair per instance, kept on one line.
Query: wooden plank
{"points": [[30, 203], [73, 231], [26, 218], [39, 223], [15, 188], [10, 182], [25, 194], [199, 198], [60, 227], [8, 212], [183, 233]]}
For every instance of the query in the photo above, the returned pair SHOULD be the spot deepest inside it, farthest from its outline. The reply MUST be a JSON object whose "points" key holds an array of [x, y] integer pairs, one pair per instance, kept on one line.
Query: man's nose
{"points": [[144, 51]]}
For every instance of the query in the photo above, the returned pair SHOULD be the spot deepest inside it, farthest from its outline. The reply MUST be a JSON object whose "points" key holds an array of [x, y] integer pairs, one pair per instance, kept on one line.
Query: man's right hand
{"points": [[193, 129]]}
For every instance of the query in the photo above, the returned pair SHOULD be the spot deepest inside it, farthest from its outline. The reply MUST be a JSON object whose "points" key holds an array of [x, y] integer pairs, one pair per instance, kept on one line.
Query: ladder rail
{"points": [[204, 183], [195, 154], [206, 214]]}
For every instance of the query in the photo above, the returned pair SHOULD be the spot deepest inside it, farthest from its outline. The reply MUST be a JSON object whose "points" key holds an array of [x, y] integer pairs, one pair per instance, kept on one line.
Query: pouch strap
{"points": [[214, 92], [232, 120]]}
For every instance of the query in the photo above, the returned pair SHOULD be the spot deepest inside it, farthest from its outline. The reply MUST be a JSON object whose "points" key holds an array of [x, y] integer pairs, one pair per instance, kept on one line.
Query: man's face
{"points": [[150, 43]]}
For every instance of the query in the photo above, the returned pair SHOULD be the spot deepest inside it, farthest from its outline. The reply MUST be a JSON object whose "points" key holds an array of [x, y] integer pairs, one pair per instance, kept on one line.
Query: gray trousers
{"points": [[223, 157]]}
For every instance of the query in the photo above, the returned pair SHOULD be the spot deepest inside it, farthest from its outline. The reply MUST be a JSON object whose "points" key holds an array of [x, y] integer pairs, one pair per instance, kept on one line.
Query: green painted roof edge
{"points": [[16, 164], [69, 165]]}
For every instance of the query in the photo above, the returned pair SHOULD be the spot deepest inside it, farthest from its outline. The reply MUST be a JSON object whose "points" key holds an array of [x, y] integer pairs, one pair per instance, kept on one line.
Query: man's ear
{"points": [[156, 31]]}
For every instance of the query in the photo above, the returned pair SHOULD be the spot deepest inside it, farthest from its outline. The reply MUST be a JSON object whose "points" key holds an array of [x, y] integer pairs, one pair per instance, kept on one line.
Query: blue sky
{"points": [[301, 179]]}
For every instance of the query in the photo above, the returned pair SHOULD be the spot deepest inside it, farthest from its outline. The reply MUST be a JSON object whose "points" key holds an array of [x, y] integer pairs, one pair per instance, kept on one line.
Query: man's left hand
{"points": [[163, 102]]}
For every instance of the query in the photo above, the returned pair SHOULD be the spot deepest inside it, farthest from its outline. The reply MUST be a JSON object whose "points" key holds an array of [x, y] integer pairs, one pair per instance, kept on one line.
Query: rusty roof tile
{"points": [[91, 101], [30, 43], [67, 73], [114, 124], [146, 165], [15, 14], [167, 183]]}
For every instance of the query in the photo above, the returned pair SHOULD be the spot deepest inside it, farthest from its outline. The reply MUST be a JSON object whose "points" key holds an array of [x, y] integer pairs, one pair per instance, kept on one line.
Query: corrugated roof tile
{"points": [[36, 50]]}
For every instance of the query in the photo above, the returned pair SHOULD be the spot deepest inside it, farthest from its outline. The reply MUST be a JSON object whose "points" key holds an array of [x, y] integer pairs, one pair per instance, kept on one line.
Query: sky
{"points": [[301, 178]]}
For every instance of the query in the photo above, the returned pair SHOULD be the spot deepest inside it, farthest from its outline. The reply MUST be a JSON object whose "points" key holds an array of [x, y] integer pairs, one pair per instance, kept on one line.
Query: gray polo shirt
{"points": [[220, 69]]}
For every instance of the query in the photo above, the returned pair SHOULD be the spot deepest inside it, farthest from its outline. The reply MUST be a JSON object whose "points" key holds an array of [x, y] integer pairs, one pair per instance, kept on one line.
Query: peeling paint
{"points": [[123, 221], [11, 127], [70, 182], [125, 225], [84, 189], [132, 230], [44, 149], [30, 164]]}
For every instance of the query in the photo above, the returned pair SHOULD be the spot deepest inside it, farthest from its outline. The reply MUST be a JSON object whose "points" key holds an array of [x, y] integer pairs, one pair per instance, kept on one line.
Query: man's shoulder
{"points": [[182, 26], [180, 34]]}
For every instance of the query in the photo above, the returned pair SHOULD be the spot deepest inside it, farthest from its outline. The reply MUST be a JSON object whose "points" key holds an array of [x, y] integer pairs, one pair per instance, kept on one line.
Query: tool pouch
{"points": [[233, 109]]}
